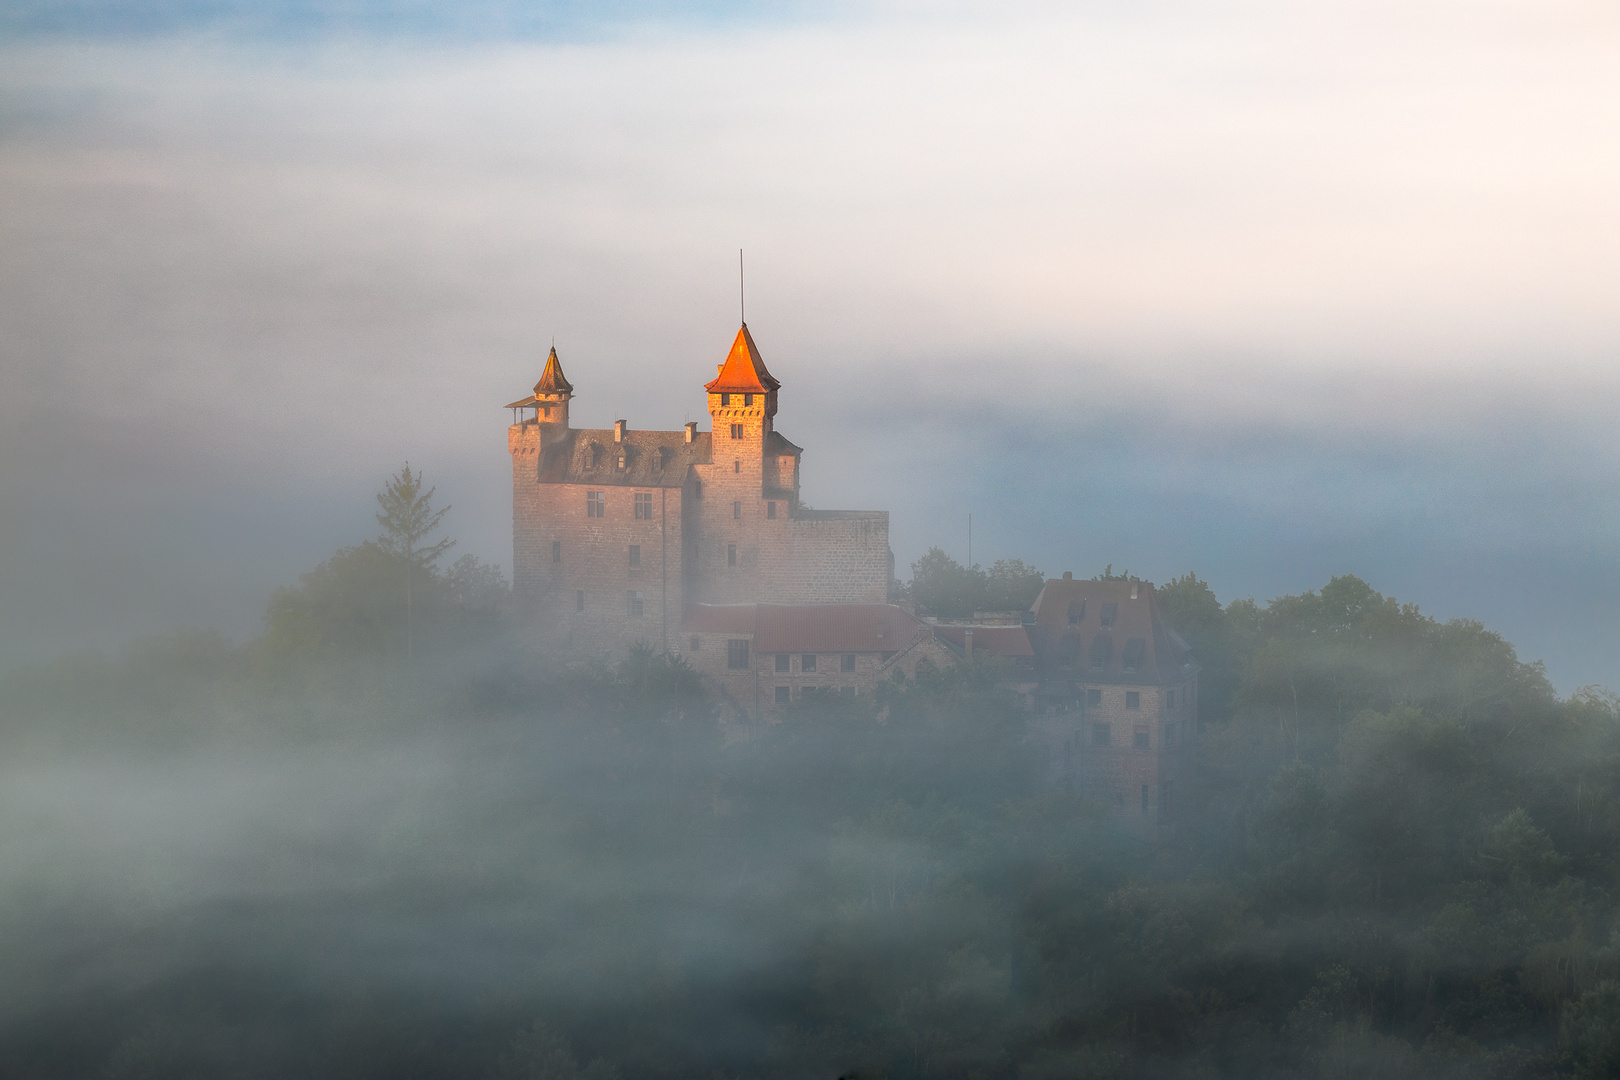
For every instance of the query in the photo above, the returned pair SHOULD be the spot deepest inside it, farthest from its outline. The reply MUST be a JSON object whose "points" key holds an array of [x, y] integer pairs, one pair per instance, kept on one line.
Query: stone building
{"points": [[1116, 698], [762, 657], [618, 532], [695, 542]]}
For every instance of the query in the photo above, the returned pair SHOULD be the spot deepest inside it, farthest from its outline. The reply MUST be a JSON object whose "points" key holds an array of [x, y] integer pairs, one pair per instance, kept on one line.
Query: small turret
{"points": [[551, 395]]}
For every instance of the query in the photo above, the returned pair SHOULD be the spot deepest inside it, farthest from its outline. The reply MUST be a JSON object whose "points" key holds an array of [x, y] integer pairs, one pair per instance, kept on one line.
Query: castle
{"points": [[695, 543], [617, 533]]}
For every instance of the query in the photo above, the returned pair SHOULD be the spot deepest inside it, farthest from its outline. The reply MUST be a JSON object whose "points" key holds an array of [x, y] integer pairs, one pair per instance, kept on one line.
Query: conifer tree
{"points": [[407, 518]]}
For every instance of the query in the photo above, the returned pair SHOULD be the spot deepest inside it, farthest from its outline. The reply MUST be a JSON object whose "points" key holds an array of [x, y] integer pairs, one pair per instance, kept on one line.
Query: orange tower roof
{"points": [[552, 380], [743, 370]]}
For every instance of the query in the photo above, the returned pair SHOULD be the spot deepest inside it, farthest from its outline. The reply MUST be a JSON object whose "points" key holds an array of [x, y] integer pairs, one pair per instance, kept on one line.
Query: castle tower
{"points": [[742, 397], [549, 400], [552, 393]]}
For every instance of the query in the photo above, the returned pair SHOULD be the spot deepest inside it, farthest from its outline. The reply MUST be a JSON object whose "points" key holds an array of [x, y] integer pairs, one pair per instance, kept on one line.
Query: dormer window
{"points": [[624, 459], [1102, 651], [1106, 615], [1077, 612], [1135, 653], [594, 457]]}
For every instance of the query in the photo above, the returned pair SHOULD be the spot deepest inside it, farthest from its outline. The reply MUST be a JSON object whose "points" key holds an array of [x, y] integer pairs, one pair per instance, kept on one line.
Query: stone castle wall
{"points": [[594, 557]]}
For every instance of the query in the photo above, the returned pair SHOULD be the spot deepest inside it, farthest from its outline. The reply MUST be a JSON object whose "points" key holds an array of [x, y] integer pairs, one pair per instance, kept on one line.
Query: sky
{"points": [[1270, 292]]}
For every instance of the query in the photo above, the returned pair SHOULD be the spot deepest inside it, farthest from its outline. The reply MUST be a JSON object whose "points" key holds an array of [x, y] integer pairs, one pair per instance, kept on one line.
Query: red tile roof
{"points": [[810, 627], [743, 370], [990, 640], [1135, 645]]}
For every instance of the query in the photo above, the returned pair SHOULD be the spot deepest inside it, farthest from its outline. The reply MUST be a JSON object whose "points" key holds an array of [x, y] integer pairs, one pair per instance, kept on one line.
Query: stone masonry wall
{"points": [[594, 556], [1117, 773]]}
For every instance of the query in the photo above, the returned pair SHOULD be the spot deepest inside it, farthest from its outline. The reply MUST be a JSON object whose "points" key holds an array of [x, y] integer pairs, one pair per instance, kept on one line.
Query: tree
{"points": [[942, 586], [1011, 585], [407, 518]]}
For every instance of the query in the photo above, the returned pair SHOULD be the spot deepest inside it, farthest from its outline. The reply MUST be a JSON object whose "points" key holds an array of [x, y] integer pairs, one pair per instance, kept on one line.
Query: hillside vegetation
{"points": [[309, 855]]}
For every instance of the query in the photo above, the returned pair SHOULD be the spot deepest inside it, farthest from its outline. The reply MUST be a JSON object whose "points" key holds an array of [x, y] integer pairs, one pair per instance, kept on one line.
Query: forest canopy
{"points": [[350, 858]]}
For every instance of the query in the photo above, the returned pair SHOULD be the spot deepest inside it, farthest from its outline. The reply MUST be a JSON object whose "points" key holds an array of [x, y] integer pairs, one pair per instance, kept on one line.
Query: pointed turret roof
{"points": [[552, 380], [743, 370]]}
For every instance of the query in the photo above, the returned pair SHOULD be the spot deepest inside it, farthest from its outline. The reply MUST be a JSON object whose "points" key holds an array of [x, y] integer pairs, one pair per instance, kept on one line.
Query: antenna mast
{"points": [[742, 298]]}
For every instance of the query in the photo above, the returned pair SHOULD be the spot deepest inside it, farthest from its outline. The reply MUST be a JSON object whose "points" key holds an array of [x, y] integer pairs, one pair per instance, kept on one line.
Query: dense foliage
{"points": [[307, 856], [942, 586]]}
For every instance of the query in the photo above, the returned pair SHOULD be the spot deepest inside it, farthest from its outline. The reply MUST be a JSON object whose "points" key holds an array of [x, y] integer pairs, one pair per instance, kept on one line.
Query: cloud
{"points": [[1290, 253]]}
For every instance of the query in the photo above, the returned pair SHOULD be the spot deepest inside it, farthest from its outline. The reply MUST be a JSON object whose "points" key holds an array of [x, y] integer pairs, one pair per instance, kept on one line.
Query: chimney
{"points": [[967, 643], [1068, 575], [691, 431], [619, 428], [1133, 590]]}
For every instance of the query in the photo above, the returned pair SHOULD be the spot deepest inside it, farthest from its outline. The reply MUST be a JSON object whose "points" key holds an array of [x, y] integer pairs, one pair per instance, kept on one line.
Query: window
{"points": [[692, 646], [1169, 699], [736, 466], [697, 489], [1077, 612], [1164, 798], [1093, 697], [736, 510], [782, 695], [624, 460], [1133, 699], [1145, 803], [1106, 615], [595, 504], [807, 662], [643, 506], [1102, 651], [737, 654], [633, 602], [770, 510], [556, 551], [736, 431], [635, 554], [731, 554], [579, 600], [595, 457], [725, 400], [1102, 734], [784, 662], [846, 662], [1142, 739], [748, 400], [1167, 735], [1135, 653], [545, 410]]}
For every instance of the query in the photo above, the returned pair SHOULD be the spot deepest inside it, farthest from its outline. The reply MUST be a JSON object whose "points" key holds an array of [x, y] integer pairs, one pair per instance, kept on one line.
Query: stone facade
{"points": [[1117, 698], [617, 532]]}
